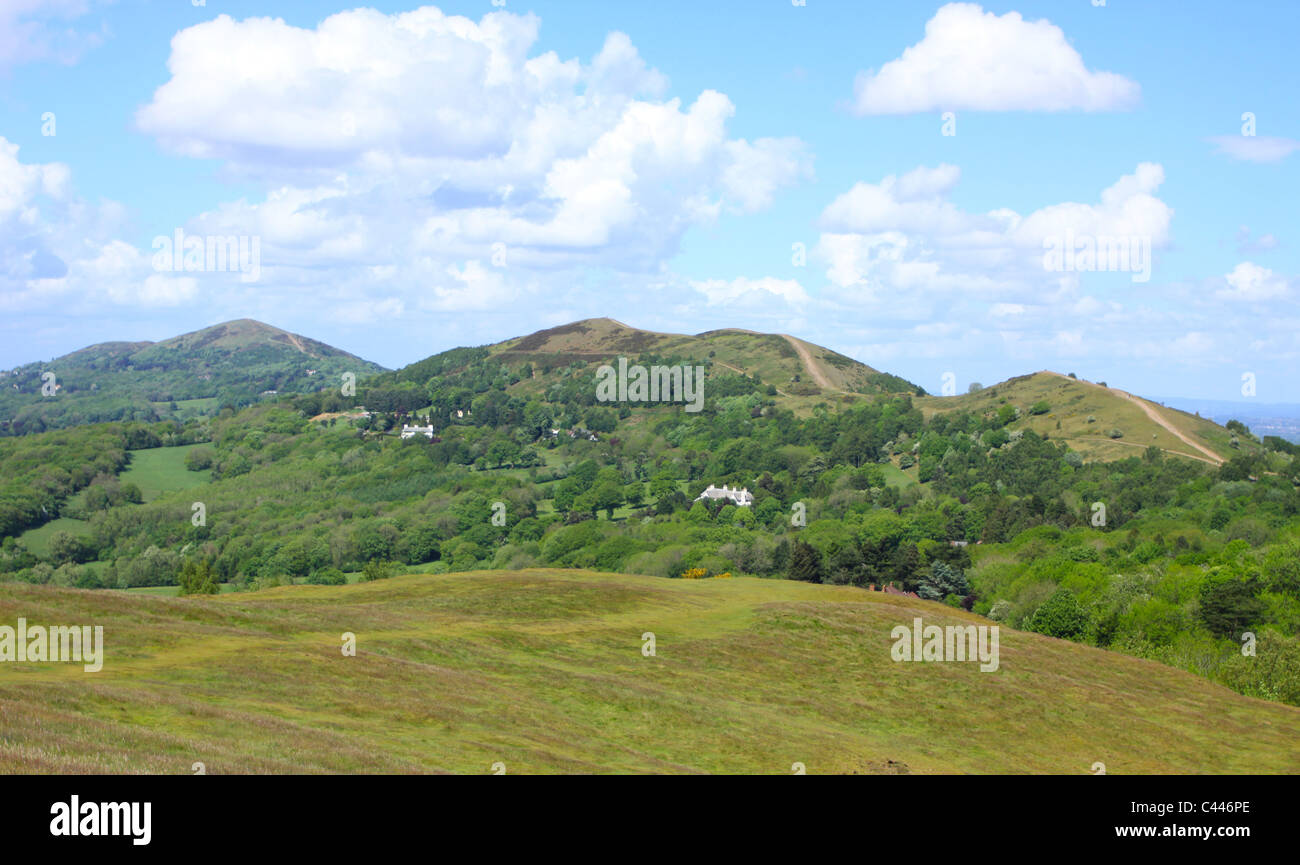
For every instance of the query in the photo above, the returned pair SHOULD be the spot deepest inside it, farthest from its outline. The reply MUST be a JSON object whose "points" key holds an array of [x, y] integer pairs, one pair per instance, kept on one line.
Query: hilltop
{"points": [[543, 670], [800, 372], [1098, 421], [185, 376]]}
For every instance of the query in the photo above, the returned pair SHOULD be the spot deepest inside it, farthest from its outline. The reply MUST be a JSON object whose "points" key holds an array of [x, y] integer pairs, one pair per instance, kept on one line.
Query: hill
{"points": [[801, 373], [543, 671], [1086, 415], [185, 376]]}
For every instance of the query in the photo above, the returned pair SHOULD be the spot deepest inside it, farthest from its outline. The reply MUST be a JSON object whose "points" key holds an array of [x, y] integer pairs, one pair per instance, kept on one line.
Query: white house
{"points": [[408, 431], [739, 497]]}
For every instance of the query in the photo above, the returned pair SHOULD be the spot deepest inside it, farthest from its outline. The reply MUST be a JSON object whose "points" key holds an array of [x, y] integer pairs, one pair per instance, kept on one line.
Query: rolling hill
{"points": [[543, 670], [1084, 414], [1087, 414], [180, 377], [795, 367]]}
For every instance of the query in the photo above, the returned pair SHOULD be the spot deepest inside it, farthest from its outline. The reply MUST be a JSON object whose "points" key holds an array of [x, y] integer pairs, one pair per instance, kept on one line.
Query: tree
{"points": [[1229, 605], [377, 570], [975, 387], [944, 579], [805, 563], [196, 578], [607, 495], [198, 459], [1060, 616]]}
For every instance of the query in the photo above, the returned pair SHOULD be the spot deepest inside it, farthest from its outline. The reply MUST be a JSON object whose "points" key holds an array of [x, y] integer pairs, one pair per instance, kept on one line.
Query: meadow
{"points": [[543, 670]]}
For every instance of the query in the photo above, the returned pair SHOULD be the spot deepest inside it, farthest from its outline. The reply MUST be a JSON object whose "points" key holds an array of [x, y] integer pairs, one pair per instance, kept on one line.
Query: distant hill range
{"points": [[1100, 422], [238, 362], [234, 363]]}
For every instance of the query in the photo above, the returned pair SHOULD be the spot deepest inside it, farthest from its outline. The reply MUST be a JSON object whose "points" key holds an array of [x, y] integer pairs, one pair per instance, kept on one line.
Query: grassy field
{"points": [[37, 540], [162, 470], [543, 670]]}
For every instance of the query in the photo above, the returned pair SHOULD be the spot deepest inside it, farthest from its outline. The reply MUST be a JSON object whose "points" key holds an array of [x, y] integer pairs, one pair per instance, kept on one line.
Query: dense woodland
{"points": [[958, 508]]}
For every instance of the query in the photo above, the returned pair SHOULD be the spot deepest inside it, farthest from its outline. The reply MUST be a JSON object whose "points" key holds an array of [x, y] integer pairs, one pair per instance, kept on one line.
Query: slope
{"points": [[1087, 415], [797, 369], [543, 670], [232, 362]]}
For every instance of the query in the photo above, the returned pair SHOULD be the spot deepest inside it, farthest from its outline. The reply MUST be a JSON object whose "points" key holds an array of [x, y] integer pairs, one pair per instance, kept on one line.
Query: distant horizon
{"points": [[1105, 202], [1256, 409]]}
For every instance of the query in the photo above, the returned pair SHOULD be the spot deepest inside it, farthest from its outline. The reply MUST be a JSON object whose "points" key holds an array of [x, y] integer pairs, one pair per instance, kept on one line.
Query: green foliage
{"points": [[196, 578], [805, 563], [378, 570], [1060, 616]]}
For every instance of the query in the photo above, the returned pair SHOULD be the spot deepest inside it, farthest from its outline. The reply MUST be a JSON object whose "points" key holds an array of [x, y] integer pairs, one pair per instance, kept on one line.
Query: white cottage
{"points": [[739, 497], [409, 431]]}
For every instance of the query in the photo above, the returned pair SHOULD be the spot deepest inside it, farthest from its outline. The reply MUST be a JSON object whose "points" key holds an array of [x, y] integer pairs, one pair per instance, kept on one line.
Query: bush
{"points": [[377, 569], [199, 459], [1060, 616], [196, 578], [327, 577]]}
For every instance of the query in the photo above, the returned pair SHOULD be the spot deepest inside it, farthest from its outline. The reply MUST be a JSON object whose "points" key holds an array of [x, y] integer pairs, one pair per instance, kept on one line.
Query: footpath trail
{"points": [[806, 357], [1160, 419]]}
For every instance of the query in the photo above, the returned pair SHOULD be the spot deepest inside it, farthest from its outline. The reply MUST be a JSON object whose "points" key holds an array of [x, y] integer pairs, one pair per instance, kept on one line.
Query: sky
{"points": [[916, 185]]}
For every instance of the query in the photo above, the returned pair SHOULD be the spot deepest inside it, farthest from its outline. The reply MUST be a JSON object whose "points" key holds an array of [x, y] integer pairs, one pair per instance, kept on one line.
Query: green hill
{"points": [[1087, 416], [190, 375], [801, 373], [543, 670]]}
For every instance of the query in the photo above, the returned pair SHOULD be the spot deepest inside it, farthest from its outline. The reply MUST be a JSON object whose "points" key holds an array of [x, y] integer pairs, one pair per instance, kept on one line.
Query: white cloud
{"points": [[421, 141], [905, 233], [1250, 282], [1255, 148], [753, 292], [975, 60]]}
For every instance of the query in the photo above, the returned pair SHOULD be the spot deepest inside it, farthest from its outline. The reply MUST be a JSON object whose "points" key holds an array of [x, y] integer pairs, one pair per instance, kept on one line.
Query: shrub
{"points": [[377, 569], [1060, 616]]}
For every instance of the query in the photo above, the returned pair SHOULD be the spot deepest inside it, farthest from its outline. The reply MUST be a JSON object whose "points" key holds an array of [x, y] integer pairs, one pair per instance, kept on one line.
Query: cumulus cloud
{"points": [[905, 233], [975, 60], [423, 142], [1250, 282], [58, 250]]}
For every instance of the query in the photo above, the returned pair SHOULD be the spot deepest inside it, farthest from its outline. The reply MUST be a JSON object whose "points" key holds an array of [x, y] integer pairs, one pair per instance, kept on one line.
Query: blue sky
{"points": [[421, 178]]}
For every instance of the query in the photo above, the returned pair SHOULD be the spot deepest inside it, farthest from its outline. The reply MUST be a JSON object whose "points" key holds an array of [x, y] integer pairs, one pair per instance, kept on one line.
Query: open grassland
{"points": [[162, 470], [38, 539], [543, 670], [1072, 403]]}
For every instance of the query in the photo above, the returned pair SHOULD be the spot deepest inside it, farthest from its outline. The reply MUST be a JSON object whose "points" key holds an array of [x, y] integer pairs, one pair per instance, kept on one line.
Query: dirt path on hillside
{"points": [[298, 345], [1159, 419], [806, 357], [1094, 439]]}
